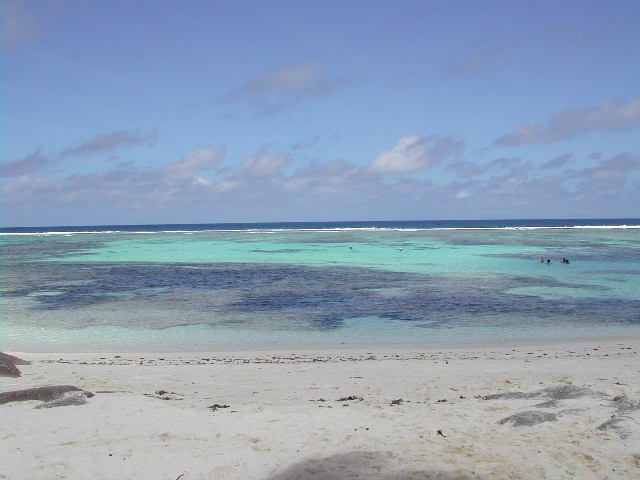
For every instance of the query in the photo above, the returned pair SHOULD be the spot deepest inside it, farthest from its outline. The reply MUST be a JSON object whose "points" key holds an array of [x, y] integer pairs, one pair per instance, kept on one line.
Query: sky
{"points": [[158, 111]]}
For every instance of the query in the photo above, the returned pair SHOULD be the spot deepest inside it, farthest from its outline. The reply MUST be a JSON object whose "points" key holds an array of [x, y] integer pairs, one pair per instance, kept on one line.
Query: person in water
{"points": [[548, 261]]}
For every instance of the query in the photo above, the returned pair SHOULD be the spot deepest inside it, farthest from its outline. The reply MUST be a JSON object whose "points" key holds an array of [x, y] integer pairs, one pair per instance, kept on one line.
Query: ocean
{"points": [[332, 284]]}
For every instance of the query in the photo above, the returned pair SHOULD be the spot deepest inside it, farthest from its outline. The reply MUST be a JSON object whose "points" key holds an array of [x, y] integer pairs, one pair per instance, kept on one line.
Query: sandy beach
{"points": [[518, 412]]}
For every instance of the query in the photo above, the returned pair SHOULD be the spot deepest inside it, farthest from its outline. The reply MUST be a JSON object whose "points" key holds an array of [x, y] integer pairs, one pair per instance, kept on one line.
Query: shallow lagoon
{"points": [[200, 289]]}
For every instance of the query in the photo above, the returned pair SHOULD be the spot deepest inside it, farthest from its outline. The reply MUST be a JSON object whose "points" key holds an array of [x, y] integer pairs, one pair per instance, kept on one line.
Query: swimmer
{"points": [[548, 261], [541, 259]]}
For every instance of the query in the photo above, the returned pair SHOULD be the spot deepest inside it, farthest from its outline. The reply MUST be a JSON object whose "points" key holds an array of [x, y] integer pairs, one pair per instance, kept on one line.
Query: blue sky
{"points": [[122, 112]]}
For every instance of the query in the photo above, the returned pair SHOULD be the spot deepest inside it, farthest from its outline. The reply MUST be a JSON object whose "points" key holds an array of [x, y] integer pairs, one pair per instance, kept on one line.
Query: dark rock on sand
{"points": [[54, 396], [8, 365], [8, 369], [14, 360], [66, 399], [529, 418]]}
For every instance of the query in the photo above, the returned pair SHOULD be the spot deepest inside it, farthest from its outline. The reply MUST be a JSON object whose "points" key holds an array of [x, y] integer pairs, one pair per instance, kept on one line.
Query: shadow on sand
{"points": [[365, 466]]}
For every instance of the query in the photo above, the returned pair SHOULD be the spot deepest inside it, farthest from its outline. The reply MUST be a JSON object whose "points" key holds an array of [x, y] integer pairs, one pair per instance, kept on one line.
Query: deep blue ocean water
{"points": [[404, 224], [213, 286]]}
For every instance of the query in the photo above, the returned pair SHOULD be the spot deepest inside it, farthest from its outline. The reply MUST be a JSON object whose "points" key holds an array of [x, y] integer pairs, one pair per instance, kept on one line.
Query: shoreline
{"points": [[325, 347], [342, 413]]}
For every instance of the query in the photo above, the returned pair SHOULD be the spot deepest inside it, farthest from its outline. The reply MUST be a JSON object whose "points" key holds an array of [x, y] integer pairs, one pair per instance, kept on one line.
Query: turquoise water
{"points": [[205, 289]]}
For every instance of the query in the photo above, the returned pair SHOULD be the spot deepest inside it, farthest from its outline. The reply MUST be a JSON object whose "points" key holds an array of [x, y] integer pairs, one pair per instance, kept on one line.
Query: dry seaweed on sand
{"points": [[349, 398], [529, 418]]}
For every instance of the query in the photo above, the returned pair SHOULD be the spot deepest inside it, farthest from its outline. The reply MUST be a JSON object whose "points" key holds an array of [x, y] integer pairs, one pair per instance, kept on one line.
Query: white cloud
{"points": [[263, 166], [199, 160], [334, 178], [414, 153], [610, 116], [258, 189]]}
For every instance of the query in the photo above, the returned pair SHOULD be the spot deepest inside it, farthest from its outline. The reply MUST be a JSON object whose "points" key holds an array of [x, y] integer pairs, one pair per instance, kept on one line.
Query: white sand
{"points": [[276, 428]]}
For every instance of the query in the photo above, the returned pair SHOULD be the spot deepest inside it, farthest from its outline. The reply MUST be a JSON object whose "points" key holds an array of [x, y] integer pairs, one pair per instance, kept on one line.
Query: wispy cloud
{"points": [[591, 36], [476, 62], [610, 116], [22, 21], [282, 88], [414, 153], [558, 161], [29, 165], [297, 146], [466, 169], [103, 143], [609, 175], [109, 142]]}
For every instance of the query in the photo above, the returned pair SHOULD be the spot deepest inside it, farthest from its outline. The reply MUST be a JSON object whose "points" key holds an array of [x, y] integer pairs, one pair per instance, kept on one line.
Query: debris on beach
{"points": [[349, 398], [398, 401], [165, 395], [52, 396], [216, 406]]}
